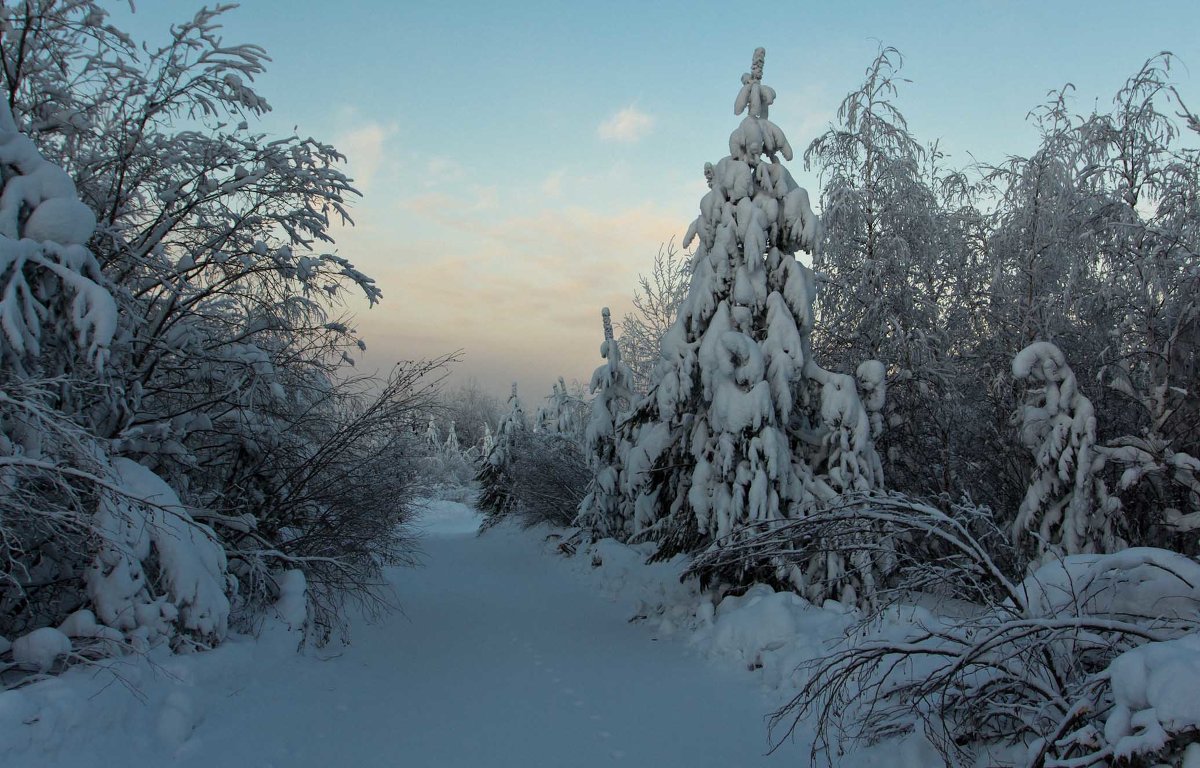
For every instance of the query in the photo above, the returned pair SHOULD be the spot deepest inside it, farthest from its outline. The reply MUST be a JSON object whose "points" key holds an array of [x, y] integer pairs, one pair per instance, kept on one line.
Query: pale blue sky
{"points": [[499, 216]]}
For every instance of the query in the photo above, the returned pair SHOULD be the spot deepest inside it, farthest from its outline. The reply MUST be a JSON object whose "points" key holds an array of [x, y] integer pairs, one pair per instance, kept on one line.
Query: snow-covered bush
{"points": [[58, 320], [343, 514], [548, 475], [196, 338], [1043, 664], [534, 476]]}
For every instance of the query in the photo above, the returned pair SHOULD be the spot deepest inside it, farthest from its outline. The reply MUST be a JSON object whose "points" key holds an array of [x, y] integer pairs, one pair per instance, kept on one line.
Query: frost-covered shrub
{"points": [[890, 274], [534, 476], [58, 319], [167, 309], [1043, 664], [548, 476], [656, 302], [342, 514], [474, 412]]}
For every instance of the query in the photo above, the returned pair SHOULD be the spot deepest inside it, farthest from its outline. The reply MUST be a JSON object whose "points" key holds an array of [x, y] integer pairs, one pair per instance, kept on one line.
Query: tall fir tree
{"points": [[743, 427]]}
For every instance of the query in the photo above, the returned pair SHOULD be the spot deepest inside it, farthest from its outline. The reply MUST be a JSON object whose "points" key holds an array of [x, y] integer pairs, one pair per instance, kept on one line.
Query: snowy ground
{"points": [[505, 656]]}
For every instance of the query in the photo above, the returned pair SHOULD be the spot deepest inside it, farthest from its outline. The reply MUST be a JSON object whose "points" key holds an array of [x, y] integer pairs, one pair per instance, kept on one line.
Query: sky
{"points": [[521, 163]]}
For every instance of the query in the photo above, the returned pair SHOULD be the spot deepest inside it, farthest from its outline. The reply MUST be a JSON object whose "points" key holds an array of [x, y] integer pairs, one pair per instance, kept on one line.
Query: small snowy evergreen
{"points": [[494, 477], [1068, 506], [612, 393]]}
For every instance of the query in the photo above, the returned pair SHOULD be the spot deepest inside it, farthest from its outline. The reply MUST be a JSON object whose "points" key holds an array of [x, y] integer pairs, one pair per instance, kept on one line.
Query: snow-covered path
{"points": [[504, 657], [510, 659]]}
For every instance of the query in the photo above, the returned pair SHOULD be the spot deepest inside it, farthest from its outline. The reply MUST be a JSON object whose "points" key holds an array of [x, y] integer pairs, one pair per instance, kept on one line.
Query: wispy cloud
{"points": [[475, 198], [627, 126], [365, 151]]}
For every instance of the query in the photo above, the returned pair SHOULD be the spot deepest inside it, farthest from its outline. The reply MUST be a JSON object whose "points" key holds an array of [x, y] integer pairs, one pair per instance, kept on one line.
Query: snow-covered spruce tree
{"points": [[451, 445], [1067, 506], [433, 437], [488, 441], [561, 412], [743, 427], [495, 473], [612, 394]]}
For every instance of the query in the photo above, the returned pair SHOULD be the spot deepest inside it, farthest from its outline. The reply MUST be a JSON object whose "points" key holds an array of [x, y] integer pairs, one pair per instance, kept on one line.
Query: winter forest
{"points": [[901, 469]]}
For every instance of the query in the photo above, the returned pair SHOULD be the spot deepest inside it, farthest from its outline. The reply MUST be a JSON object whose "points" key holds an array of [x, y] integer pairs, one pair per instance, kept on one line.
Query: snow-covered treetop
{"points": [[785, 219], [756, 135], [614, 374], [608, 349]]}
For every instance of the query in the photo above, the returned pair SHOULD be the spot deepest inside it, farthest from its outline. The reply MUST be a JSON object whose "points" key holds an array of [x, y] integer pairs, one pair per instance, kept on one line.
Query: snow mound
{"points": [[1137, 582], [1154, 696], [40, 648], [149, 517], [292, 605]]}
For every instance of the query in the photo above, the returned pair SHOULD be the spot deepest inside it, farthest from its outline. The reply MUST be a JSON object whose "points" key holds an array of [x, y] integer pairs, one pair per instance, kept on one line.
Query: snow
{"points": [[1154, 693], [190, 559], [1139, 582], [292, 605], [40, 648], [44, 224], [506, 654]]}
